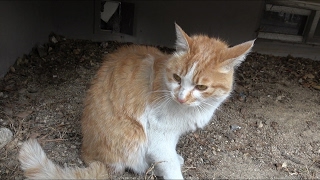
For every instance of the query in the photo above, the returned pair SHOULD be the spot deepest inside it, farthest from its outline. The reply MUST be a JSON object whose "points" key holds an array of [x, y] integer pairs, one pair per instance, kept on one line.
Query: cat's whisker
{"points": [[208, 104], [162, 100], [167, 101], [161, 97], [201, 108], [198, 108], [160, 91]]}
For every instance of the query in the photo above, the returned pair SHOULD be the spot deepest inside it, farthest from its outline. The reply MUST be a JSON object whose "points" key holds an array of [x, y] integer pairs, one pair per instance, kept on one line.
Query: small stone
{"points": [[12, 69], [73, 147], [234, 127], [1, 94], [214, 153], [242, 96], [104, 44], [5, 136], [49, 49], [53, 39], [279, 98], [274, 125], [260, 124], [79, 161], [284, 165]]}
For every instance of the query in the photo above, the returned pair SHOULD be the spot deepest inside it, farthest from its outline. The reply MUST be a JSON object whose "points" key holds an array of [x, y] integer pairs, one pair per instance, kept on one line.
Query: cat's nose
{"points": [[181, 100]]}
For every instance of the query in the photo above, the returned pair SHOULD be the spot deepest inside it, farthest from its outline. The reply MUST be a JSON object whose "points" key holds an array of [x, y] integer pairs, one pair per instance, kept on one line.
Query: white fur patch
{"points": [[187, 84]]}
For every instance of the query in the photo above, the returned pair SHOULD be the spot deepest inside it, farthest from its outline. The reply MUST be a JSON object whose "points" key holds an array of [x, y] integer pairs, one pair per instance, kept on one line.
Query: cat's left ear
{"points": [[182, 39], [235, 55]]}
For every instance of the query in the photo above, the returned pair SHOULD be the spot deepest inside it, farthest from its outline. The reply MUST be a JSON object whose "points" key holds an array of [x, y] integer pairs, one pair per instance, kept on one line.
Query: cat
{"points": [[139, 104]]}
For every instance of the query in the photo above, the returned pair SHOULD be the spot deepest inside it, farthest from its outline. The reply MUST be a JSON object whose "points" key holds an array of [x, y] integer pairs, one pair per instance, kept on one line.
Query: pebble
{"points": [[284, 165], [12, 69], [234, 127], [53, 40], [79, 161], [5, 136]]}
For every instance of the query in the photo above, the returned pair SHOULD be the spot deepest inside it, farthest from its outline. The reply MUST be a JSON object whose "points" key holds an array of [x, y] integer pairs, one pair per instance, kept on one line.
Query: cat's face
{"points": [[192, 81], [201, 71]]}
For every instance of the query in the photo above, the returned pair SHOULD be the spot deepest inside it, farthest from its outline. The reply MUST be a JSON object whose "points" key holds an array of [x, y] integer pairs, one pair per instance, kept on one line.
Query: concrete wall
{"points": [[23, 24], [27, 23], [73, 19], [233, 21]]}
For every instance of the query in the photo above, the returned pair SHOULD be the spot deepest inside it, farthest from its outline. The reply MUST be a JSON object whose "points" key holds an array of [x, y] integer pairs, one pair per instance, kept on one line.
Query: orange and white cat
{"points": [[139, 104]]}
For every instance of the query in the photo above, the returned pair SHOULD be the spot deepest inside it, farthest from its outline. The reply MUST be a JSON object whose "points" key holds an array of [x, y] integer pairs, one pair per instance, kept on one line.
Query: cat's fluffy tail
{"points": [[36, 165]]}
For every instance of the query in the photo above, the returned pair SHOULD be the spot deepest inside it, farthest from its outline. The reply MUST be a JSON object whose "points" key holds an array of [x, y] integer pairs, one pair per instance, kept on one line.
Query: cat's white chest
{"points": [[163, 126], [176, 119]]}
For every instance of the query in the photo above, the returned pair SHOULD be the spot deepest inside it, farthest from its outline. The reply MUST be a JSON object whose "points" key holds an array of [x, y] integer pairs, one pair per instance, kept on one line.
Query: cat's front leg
{"points": [[168, 165], [169, 168]]}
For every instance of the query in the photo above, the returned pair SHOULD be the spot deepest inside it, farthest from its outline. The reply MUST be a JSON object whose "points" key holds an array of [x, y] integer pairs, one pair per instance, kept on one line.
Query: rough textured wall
{"points": [[25, 24]]}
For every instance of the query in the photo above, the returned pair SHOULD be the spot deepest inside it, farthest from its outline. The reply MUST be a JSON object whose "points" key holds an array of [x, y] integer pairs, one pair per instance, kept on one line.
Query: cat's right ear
{"points": [[182, 39], [235, 55]]}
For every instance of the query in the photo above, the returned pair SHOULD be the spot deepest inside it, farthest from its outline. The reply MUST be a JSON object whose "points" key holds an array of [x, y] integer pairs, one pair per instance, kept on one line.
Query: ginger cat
{"points": [[140, 102]]}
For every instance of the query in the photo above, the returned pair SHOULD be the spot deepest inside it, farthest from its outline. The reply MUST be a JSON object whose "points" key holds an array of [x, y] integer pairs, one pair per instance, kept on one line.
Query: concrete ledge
{"points": [[278, 48]]}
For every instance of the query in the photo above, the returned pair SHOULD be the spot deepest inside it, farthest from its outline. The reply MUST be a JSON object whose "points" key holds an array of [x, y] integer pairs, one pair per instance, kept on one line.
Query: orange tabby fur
{"points": [[112, 88], [119, 121]]}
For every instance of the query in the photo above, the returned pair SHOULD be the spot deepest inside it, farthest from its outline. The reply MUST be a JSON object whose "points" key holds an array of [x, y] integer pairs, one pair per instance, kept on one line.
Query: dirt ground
{"points": [[268, 129]]}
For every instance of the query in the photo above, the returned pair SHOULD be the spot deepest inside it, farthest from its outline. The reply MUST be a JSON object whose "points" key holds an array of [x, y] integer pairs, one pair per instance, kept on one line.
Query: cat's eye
{"points": [[201, 87], [177, 78]]}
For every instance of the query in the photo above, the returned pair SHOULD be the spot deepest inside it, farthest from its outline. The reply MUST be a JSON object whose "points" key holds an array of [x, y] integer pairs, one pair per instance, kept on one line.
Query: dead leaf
{"points": [[308, 76], [317, 87], [24, 114]]}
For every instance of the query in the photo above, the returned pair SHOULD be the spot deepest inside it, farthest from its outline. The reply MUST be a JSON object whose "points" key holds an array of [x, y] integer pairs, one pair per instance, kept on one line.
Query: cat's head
{"points": [[201, 70]]}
